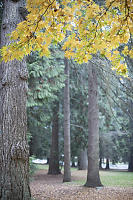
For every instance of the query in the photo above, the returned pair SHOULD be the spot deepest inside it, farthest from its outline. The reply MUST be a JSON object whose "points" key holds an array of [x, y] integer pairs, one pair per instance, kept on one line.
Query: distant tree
{"points": [[46, 79], [39, 128], [129, 61], [67, 149], [130, 166], [54, 149], [79, 121], [93, 179], [83, 160]]}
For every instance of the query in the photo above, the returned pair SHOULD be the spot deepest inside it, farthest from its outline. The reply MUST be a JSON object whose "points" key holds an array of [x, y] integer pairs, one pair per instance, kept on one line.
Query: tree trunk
{"points": [[100, 163], [54, 152], [73, 163], [14, 151], [107, 163], [67, 153], [130, 165], [83, 160], [93, 179]]}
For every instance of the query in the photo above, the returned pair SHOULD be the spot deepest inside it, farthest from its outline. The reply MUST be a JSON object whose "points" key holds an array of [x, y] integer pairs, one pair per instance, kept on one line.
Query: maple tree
{"points": [[83, 27]]}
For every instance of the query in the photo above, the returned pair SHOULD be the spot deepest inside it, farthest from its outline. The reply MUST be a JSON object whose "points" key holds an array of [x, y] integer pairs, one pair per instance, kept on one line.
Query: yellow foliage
{"points": [[87, 27], [131, 53], [125, 51]]}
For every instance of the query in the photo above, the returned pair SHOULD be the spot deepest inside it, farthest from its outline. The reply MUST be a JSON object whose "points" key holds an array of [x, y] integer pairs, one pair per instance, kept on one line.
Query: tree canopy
{"points": [[83, 28]]}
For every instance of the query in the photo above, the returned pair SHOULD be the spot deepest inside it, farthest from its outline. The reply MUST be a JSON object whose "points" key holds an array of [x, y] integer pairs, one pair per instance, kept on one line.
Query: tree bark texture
{"points": [[83, 160], [67, 153], [93, 179], [54, 151], [14, 163]]}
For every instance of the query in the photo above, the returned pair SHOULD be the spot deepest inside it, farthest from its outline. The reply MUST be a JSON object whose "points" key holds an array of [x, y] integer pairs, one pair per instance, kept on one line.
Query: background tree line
{"points": [[114, 113]]}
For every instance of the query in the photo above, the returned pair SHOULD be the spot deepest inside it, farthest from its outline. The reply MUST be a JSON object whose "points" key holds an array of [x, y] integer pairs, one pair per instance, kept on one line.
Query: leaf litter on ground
{"points": [[51, 187]]}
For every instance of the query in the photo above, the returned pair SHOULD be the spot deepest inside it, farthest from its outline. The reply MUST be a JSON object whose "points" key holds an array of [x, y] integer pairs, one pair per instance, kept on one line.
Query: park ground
{"points": [[118, 185]]}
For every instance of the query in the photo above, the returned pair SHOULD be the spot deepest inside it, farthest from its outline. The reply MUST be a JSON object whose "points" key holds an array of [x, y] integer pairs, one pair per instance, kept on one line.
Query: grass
{"points": [[108, 178], [114, 178], [41, 166], [44, 166]]}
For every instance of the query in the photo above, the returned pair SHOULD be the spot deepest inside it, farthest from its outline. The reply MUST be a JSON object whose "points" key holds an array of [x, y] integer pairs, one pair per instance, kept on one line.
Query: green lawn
{"points": [[108, 178], [41, 166]]}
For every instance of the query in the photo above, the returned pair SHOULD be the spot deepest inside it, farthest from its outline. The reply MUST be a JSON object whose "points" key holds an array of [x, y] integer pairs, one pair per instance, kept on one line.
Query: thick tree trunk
{"points": [[54, 151], [83, 160], [14, 163], [67, 153], [130, 165], [93, 179], [107, 163]]}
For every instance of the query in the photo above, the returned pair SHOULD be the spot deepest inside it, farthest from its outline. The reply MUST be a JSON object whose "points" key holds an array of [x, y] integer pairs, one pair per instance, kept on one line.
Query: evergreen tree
{"points": [[93, 179], [46, 79], [54, 150], [67, 149]]}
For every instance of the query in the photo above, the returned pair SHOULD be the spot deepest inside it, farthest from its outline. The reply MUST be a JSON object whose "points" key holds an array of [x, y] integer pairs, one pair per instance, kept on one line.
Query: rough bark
{"points": [[14, 163], [83, 160], [93, 179], [67, 153], [54, 151]]}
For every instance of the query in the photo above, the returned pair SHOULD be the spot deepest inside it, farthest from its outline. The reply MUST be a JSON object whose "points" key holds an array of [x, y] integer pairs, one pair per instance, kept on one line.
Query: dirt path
{"points": [[49, 187]]}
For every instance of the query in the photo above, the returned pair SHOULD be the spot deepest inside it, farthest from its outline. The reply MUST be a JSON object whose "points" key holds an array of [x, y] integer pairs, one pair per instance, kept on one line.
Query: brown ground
{"points": [[49, 187]]}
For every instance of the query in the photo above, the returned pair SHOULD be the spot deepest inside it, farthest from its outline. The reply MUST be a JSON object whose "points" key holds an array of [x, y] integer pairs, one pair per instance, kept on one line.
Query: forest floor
{"points": [[51, 187]]}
